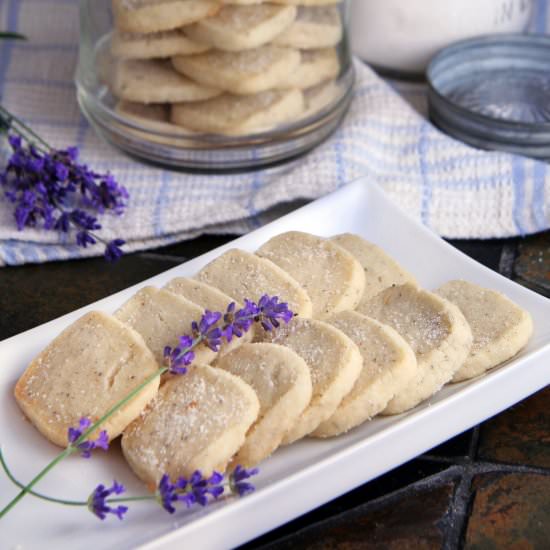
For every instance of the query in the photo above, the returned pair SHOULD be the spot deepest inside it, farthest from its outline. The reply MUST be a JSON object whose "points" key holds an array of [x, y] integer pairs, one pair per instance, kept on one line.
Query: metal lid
{"points": [[494, 93]]}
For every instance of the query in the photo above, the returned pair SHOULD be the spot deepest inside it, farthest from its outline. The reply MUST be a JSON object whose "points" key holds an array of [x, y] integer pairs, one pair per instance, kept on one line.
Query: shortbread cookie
{"points": [[210, 298], [238, 115], [152, 113], [247, 277], [148, 16], [335, 364], [435, 329], [197, 422], [162, 318], [320, 96], [500, 327], [152, 123], [285, 2], [202, 294], [155, 117], [332, 277], [241, 73], [155, 82], [315, 67], [84, 372], [306, 2], [389, 364], [154, 46], [381, 271], [314, 27], [282, 382], [237, 28]]}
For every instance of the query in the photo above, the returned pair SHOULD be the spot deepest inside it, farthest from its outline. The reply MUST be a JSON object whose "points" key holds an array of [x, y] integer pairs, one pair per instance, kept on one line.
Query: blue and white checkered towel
{"points": [[456, 190]]}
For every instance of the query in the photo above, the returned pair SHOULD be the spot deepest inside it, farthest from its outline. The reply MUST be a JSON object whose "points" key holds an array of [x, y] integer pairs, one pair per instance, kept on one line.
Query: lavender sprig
{"points": [[53, 191], [98, 504], [86, 446], [197, 489], [207, 330], [268, 312], [238, 483], [189, 491], [271, 312]]}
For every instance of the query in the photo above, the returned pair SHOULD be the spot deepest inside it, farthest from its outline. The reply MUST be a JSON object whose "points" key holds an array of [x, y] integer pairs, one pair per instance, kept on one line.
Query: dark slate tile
{"points": [[519, 435], [486, 252], [509, 511], [33, 294], [532, 266], [194, 247], [416, 519], [402, 478], [458, 446]]}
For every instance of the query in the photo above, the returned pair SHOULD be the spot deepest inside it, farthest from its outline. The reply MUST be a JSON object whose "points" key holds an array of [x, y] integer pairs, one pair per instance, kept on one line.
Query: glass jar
{"points": [[400, 37], [205, 85]]}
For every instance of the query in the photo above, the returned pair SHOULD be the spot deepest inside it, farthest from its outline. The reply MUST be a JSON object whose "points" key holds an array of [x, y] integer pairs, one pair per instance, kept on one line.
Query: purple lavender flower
{"points": [[98, 505], [269, 312], [83, 239], [272, 311], [166, 494], [195, 490], [83, 220], [88, 445], [207, 330], [180, 357], [215, 485], [239, 322], [113, 251], [52, 190], [201, 487], [237, 481]]}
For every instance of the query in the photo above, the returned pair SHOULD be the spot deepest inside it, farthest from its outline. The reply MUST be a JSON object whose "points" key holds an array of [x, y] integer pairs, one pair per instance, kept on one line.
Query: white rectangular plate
{"points": [[299, 477]]}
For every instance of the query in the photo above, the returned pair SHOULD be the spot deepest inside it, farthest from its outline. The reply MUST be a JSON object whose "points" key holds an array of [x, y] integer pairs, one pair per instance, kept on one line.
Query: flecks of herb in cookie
{"points": [[213, 329]]}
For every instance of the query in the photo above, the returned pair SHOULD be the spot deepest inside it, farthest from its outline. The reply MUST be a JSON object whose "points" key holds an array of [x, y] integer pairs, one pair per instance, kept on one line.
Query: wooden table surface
{"points": [[487, 488]]}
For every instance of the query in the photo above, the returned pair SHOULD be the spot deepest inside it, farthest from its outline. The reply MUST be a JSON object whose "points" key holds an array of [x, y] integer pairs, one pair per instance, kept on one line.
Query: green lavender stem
{"points": [[74, 446], [23, 129], [37, 478], [6, 35], [81, 503], [62, 500]]}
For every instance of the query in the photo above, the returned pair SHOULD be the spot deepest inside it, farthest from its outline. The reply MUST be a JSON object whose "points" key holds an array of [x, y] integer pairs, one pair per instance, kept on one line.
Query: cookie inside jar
{"points": [[175, 71]]}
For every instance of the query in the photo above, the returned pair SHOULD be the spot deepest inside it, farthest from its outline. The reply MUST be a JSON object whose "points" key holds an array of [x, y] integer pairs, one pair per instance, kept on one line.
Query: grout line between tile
{"points": [[463, 497], [450, 474], [459, 513], [483, 467]]}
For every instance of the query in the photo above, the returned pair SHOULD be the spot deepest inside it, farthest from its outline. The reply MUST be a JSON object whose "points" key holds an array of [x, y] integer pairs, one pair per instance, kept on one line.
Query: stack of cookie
{"points": [[231, 67], [366, 340]]}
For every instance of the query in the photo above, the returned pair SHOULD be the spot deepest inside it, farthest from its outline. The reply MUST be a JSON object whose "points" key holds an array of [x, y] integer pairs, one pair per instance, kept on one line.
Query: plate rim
{"points": [[195, 527]]}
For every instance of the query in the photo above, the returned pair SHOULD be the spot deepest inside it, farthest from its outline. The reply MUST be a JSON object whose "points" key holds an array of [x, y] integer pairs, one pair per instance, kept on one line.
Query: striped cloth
{"points": [[456, 190]]}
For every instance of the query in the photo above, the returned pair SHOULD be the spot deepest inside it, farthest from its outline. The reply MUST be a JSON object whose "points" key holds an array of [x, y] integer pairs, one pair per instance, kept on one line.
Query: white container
{"points": [[402, 35]]}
